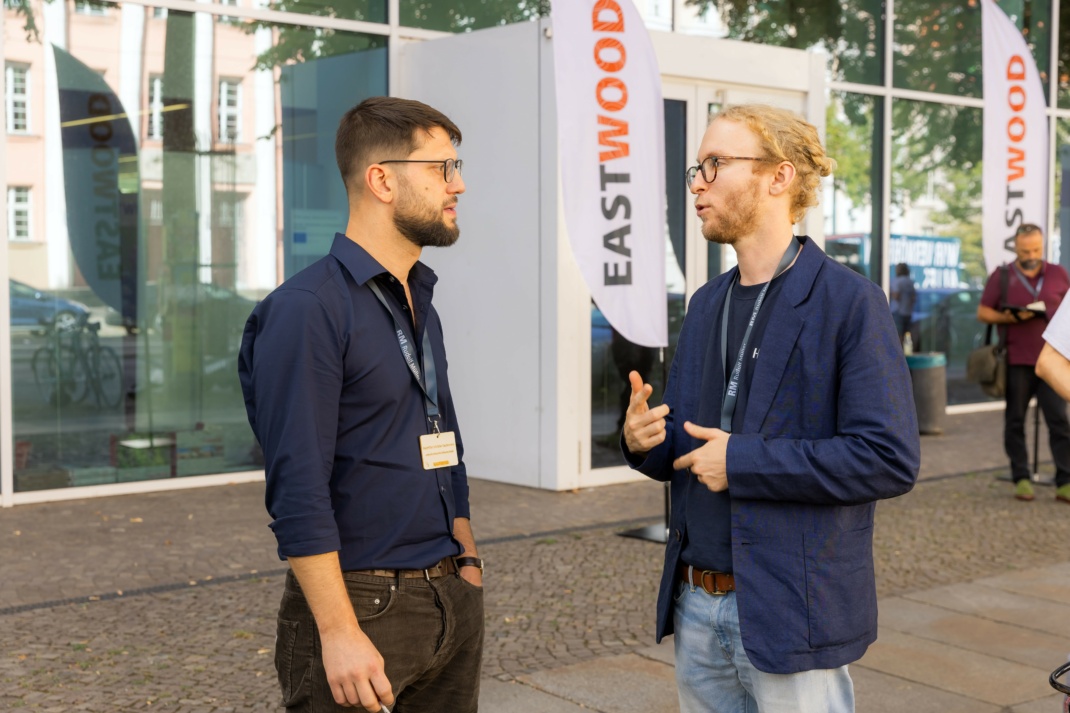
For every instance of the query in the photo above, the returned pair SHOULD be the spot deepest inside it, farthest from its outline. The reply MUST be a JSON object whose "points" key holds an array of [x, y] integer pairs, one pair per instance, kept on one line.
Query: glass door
{"points": [[613, 356], [689, 262]]}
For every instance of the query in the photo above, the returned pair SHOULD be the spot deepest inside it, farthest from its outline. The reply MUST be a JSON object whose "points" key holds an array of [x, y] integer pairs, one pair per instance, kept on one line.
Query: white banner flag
{"points": [[611, 128], [1015, 136]]}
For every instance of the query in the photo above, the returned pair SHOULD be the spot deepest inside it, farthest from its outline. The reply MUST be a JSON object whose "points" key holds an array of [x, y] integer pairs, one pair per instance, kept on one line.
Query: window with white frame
{"points": [[228, 210], [159, 13], [154, 130], [229, 111], [18, 213], [86, 7], [227, 18], [155, 211], [17, 89]]}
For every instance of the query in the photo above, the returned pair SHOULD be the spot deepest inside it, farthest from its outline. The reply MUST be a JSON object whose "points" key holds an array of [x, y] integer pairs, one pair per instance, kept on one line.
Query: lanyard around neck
{"points": [[731, 391], [1035, 291], [429, 382]]}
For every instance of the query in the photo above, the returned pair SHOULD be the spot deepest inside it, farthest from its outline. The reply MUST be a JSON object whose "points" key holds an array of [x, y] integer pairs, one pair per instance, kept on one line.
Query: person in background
{"points": [[343, 369], [1035, 289], [788, 413], [903, 297]]}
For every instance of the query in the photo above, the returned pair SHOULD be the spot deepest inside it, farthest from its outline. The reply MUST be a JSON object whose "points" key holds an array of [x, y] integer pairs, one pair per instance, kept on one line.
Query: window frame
{"points": [[11, 98], [225, 112], [89, 9], [154, 113], [19, 202]]}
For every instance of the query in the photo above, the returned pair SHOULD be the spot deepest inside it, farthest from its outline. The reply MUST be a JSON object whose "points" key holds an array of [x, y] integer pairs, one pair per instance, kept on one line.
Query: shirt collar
{"points": [[363, 267]]}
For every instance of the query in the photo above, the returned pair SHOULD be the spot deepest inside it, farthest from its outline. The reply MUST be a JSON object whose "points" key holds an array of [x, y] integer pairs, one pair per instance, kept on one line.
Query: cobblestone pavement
{"points": [[185, 584]]}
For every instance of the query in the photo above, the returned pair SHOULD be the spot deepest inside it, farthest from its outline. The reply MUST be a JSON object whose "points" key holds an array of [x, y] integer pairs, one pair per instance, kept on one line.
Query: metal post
{"points": [[1036, 442]]}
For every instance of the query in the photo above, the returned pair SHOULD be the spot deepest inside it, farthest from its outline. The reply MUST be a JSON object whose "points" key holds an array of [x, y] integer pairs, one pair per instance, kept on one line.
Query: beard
{"points": [[1029, 264], [739, 220], [422, 225]]}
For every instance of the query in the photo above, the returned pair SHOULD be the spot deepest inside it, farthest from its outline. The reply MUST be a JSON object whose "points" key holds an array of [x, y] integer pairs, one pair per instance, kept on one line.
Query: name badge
{"points": [[439, 450]]}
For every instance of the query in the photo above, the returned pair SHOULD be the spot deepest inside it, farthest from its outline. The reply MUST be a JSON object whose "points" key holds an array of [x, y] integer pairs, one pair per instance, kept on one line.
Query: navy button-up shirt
{"points": [[339, 416]]}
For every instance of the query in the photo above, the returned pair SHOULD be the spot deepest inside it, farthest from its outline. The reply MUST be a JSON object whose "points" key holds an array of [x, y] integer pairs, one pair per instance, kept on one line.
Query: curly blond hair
{"points": [[786, 136]]}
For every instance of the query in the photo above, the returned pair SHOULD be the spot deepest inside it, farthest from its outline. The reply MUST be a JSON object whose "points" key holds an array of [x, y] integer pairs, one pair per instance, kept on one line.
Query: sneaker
{"points": [[1063, 493], [1023, 490]]}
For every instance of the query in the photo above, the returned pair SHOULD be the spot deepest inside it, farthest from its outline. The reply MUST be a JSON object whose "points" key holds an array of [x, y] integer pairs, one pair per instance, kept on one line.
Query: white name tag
{"points": [[439, 450]]}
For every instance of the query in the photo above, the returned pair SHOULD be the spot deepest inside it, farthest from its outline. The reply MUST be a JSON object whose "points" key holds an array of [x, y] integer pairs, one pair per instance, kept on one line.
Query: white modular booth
{"points": [[516, 312]]}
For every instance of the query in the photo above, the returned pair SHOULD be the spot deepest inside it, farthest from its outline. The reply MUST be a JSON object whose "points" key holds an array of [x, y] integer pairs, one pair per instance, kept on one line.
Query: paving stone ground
{"points": [[562, 586]]}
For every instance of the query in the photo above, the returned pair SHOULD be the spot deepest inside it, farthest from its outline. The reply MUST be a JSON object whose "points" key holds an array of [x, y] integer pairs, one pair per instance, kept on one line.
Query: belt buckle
{"points": [[712, 589]]}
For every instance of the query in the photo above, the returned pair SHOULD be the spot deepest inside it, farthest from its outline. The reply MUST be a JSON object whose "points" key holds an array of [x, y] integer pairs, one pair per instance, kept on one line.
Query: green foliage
{"points": [[851, 32], [849, 140], [141, 457], [24, 10], [467, 15], [301, 44]]}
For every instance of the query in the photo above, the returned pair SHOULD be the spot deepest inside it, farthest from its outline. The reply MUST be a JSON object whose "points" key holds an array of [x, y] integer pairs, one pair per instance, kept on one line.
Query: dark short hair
{"points": [[381, 128], [902, 269], [1027, 229]]}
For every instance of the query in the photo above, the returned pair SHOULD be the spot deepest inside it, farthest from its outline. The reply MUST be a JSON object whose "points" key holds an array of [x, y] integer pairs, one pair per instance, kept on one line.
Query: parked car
{"points": [[31, 307], [945, 320], [220, 313]]}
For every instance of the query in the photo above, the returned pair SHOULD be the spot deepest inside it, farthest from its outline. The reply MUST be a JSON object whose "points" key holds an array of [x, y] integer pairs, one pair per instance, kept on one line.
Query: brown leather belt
{"points": [[716, 583], [446, 566]]}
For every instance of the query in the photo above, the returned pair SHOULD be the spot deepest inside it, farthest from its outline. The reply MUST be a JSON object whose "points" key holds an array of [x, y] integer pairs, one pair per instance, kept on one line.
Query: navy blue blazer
{"points": [[829, 429]]}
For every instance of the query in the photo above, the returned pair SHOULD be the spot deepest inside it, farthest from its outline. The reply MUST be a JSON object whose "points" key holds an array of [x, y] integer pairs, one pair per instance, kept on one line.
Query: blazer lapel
{"points": [[781, 334], [708, 336]]}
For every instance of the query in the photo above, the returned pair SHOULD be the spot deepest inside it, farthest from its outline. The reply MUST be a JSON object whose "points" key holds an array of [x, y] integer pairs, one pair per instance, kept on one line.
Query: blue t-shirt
{"points": [[903, 287], [708, 514]]}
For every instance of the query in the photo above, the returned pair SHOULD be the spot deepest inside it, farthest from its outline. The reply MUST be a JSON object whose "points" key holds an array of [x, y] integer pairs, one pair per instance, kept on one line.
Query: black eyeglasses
{"points": [[710, 164], [450, 167]]}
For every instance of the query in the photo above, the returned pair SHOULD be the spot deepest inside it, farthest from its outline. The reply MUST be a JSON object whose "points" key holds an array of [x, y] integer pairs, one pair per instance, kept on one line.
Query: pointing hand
{"points": [[644, 427], [708, 462]]}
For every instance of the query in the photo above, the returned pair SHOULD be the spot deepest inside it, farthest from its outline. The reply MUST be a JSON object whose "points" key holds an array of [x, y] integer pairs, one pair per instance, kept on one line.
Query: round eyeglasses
{"points": [[709, 166], [450, 167]]}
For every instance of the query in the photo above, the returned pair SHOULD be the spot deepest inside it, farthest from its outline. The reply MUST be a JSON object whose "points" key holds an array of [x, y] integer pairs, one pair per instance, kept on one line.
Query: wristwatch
{"points": [[468, 562]]}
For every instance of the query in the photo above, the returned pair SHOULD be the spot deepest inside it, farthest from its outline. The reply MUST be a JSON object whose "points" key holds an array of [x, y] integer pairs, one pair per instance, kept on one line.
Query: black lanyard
{"points": [[1035, 291], [429, 383], [731, 391]]}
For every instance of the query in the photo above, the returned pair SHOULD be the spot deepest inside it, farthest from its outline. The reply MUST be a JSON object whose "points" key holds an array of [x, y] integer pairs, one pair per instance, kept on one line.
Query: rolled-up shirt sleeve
{"points": [[291, 372]]}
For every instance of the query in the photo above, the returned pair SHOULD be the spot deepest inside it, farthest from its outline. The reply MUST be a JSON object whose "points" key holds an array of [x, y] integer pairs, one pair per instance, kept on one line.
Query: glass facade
{"points": [[468, 15], [851, 204], [166, 169], [613, 356], [850, 31], [186, 166], [938, 44]]}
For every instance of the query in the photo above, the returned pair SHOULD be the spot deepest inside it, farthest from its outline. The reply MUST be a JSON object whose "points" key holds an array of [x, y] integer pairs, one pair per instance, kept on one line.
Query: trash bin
{"points": [[928, 376]]}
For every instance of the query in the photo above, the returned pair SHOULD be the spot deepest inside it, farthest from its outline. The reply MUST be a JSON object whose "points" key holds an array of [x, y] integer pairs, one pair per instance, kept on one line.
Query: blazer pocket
{"points": [[841, 597]]}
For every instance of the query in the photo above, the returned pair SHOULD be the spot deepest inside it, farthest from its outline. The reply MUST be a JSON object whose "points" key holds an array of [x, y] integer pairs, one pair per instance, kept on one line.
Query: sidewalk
{"points": [[166, 601], [982, 645]]}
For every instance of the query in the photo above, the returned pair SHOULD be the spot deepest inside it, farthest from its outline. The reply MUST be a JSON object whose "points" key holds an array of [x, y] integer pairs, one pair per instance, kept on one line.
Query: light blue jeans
{"points": [[714, 675]]}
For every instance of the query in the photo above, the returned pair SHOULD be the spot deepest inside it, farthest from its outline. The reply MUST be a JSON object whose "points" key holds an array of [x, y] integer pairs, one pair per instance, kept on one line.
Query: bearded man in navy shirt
{"points": [[343, 370]]}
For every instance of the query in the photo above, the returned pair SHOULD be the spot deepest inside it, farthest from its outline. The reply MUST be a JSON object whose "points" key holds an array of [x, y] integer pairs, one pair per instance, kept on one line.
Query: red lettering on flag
{"points": [[1015, 163], [611, 83], [619, 149], [600, 25], [612, 44]]}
